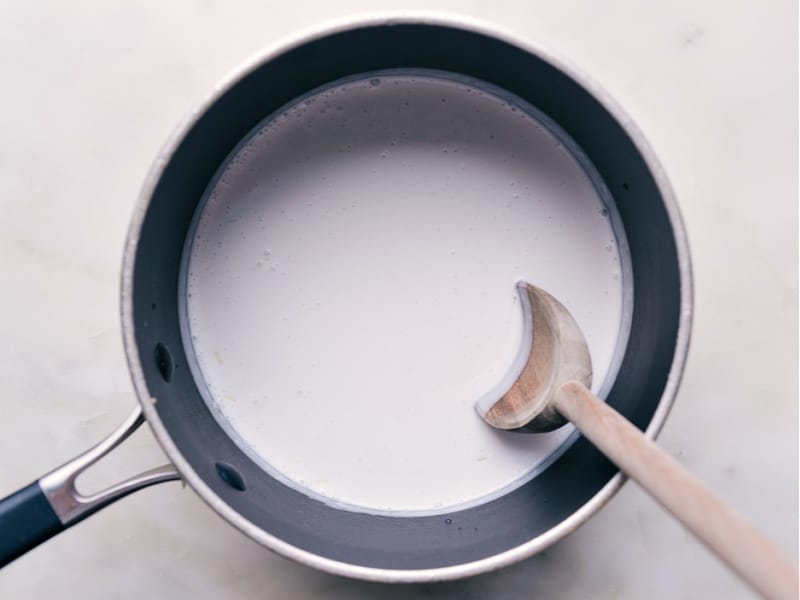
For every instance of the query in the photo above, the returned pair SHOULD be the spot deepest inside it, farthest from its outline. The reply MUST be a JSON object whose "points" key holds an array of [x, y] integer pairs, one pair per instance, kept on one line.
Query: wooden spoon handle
{"points": [[715, 523]]}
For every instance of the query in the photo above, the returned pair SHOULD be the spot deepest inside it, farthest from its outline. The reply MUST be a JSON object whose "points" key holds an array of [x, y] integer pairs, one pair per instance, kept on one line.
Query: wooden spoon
{"points": [[552, 387]]}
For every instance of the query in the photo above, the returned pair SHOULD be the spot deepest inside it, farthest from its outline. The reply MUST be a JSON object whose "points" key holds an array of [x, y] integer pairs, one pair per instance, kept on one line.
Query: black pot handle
{"points": [[50, 505], [26, 520]]}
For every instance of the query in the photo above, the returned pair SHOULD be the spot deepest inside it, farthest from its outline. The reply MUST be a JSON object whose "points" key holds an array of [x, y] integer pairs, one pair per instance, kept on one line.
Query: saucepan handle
{"points": [[51, 504]]}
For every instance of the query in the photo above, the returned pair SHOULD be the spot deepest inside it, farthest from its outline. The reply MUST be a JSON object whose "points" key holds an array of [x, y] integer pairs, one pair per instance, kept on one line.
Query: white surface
{"points": [[366, 275], [91, 90]]}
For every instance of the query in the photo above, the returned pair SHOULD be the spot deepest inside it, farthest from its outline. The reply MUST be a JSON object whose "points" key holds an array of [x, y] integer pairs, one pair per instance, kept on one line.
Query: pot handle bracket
{"points": [[50, 505]]}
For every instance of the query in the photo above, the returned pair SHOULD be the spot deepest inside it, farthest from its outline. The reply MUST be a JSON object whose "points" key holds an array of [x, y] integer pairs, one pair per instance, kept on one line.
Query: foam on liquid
{"points": [[350, 288]]}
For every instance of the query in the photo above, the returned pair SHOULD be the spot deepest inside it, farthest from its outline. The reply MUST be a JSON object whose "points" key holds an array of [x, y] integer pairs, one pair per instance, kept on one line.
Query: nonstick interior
{"points": [[386, 542]]}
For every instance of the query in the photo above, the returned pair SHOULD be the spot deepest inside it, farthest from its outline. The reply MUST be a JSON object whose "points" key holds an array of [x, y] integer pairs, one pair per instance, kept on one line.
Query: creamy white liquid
{"points": [[350, 288]]}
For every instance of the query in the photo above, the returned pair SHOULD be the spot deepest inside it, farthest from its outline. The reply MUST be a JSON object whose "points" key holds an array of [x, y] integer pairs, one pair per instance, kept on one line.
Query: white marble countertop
{"points": [[90, 90]]}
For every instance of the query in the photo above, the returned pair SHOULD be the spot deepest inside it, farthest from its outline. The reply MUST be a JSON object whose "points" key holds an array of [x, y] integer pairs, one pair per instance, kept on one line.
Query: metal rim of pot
{"points": [[417, 575]]}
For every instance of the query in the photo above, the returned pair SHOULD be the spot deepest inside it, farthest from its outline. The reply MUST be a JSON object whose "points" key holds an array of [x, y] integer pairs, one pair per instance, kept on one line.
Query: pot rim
{"points": [[491, 563]]}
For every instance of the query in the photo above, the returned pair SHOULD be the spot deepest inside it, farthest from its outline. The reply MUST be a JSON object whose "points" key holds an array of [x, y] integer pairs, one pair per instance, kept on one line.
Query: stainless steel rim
{"points": [[502, 559]]}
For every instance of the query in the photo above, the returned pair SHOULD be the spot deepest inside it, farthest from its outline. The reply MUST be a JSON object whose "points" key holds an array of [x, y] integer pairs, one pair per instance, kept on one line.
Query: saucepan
{"points": [[379, 547]]}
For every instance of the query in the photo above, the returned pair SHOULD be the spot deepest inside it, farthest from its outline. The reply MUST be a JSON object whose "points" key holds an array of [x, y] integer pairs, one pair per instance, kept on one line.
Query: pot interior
{"points": [[374, 540]]}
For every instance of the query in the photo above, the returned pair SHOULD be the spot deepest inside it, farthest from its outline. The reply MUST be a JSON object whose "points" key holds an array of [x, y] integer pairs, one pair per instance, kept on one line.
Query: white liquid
{"points": [[351, 288]]}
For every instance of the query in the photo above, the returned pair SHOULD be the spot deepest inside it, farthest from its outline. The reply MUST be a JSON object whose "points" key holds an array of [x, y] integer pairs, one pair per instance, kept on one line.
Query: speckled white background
{"points": [[89, 92]]}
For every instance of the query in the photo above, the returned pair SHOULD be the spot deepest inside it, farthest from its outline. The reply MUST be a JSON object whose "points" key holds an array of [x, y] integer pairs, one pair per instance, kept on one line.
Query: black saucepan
{"points": [[377, 547]]}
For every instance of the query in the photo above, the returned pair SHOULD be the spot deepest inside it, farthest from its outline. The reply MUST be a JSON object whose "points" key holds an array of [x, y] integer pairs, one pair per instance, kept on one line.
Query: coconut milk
{"points": [[350, 287]]}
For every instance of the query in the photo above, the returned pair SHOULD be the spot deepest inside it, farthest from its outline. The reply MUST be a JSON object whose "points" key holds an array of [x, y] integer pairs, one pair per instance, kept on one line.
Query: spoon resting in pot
{"points": [[552, 376]]}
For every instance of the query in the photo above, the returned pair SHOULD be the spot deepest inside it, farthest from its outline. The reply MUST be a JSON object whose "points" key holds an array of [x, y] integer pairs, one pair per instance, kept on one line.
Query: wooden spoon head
{"points": [[553, 352]]}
